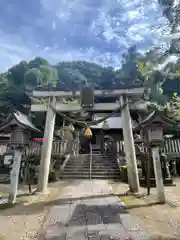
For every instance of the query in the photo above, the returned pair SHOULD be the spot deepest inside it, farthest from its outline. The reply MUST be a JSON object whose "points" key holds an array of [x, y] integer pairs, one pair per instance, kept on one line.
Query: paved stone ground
{"points": [[172, 192], [88, 210]]}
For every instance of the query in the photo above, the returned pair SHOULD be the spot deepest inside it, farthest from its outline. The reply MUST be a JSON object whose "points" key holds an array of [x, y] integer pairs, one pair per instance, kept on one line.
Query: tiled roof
{"points": [[157, 116], [19, 119], [23, 119]]}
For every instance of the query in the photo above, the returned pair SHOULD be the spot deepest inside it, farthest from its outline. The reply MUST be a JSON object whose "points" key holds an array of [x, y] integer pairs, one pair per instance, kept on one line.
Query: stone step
{"points": [[92, 166], [115, 176], [104, 163], [93, 156], [74, 177], [105, 177], [98, 155], [93, 172], [78, 171], [94, 160], [93, 169], [93, 163], [77, 167], [105, 167], [75, 173], [92, 177], [105, 170], [105, 174], [104, 159], [78, 164], [87, 174]]}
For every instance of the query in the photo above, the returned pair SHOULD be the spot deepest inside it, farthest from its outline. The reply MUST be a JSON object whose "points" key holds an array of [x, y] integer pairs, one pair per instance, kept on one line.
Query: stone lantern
{"points": [[152, 134], [152, 129], [20, 129]]}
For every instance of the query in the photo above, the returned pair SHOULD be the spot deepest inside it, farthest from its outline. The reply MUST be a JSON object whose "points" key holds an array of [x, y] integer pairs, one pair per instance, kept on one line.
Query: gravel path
{"points": [[160, 219], [23, 221]]}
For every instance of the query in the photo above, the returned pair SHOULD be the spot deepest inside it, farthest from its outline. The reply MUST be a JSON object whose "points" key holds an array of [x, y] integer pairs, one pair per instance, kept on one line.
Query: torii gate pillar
{"points": [[46, 149], [129, 148]]}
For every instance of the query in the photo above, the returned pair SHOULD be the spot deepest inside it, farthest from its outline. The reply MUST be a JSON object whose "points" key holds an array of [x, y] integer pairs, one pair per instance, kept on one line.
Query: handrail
{"points": [[90, 161]]}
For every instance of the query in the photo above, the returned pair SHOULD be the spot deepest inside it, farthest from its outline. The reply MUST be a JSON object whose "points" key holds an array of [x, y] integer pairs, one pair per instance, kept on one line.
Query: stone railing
{"points": [[171, 146], [34, 148]]}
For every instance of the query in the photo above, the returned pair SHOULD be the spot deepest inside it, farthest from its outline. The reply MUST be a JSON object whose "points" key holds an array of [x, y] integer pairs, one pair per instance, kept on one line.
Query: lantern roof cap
{"points": [[155, 117], [18, 119]]}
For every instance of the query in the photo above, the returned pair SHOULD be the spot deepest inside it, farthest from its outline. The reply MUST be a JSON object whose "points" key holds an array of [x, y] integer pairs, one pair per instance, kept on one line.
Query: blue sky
{"points": [[92, 30]]}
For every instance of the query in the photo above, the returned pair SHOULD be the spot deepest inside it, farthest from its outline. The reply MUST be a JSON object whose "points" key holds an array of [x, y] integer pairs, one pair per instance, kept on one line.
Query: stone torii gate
{"points": [[53, 93]]}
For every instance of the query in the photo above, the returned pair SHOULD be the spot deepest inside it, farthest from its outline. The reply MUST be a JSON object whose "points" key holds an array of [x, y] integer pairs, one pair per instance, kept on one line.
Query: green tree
{"points": [[49, 75], [33, 78], [160, 83], [129, 72], [17, 72], [37, 62], [174, 107], [171, 10]]}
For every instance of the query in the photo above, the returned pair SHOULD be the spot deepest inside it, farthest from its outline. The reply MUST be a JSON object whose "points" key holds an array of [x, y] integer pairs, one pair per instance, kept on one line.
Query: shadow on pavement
{"points": [[23, 208], [143, 205]]}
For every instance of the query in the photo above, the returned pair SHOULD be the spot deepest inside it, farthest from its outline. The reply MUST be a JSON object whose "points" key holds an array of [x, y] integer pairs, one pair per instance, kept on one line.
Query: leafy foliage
{"points": [[174, 107], [171, 10]]}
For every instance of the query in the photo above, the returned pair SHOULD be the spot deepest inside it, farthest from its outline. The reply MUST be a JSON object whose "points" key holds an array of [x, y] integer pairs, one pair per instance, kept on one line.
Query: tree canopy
{"points": [[135, 67]]}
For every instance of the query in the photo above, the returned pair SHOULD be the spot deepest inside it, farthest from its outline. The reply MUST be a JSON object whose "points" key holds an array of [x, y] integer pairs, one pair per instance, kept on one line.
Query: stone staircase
{"points": [[102, 167], [95, 149]]}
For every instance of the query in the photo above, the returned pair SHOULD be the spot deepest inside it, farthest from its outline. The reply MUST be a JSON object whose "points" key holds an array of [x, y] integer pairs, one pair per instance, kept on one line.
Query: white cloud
{"points": [[12, 51], [133, 14], [170, 59], [143, 23], [46, 49], [120, 23], [54, 25], [11, 54]]}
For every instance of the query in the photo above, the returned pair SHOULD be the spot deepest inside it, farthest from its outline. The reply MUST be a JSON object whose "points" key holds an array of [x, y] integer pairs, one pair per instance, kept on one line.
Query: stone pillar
{"points": [[158, 174], [129, 148], [46, 149], [15, 176]]}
